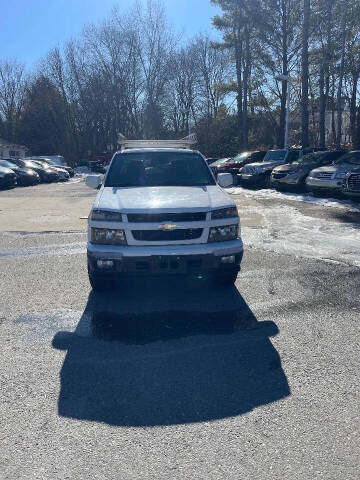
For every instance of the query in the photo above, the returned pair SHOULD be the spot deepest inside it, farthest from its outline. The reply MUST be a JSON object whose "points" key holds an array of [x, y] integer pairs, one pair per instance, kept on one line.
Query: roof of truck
{"points": [[149, 149]]}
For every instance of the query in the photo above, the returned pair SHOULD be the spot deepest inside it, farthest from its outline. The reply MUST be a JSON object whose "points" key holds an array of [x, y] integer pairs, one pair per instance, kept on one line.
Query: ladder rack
{"points": [[185, 143]]}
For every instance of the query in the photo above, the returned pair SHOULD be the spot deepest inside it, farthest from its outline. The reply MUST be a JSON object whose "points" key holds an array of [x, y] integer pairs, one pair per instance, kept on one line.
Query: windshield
{"points": [[30, 164], [41, 163], [155, 169], [5, 163], [219, 162], [241, 157], [274, 155], [351, 157], [311, 158], [56, 162]]}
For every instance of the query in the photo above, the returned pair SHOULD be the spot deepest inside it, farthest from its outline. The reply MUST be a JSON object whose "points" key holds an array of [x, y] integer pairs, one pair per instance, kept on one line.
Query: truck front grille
{"points": [[167, 236], [354, 181], [166, 217]]}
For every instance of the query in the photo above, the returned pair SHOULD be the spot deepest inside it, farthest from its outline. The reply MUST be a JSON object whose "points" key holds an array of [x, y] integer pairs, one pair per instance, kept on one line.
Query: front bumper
{"points": [[28, 180], [287, 181], [253, 179], [9, 180], [324, 184], [351, 193], [51, 177], [197, 259]]}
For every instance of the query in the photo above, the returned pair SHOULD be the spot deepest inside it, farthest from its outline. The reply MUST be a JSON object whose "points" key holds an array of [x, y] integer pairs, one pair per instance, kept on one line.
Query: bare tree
{"points": [[305, 75], [12, 92]]}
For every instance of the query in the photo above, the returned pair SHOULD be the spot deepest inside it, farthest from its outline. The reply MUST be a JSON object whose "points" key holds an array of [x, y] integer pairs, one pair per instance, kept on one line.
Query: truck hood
{"points": [[287, 167], [162, 199]]}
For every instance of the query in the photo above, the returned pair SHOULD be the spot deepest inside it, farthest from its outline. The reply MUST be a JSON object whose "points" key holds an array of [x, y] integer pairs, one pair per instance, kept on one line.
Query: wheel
{"points": [[226, 278], [267, 181], [100, 284]]}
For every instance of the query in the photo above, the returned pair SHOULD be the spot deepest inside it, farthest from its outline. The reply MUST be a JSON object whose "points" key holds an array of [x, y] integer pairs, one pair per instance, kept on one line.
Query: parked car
{"points": [[7, 178], [215, 167], [63, 174], [258, 174], [351, 186], [233, 165], [24, 176], [52, 163], [58, 160], [293, 175], [174, 220], [46, 175], [330, 179]]}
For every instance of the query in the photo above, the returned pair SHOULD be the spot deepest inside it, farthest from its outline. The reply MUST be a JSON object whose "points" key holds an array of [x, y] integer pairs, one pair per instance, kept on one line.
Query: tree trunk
{"points": [[340, 82], [284, 87], [305, 76], [239, 96], [353, 109], [245, 90], [322, 106]]}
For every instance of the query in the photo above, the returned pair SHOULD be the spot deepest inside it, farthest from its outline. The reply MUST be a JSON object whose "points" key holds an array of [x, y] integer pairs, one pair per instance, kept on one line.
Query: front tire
{"points": [[100, 284], [267, 181]]}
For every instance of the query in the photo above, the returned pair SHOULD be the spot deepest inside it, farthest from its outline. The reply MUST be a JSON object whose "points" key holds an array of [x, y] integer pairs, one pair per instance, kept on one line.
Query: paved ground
{"points": [[175, 380]]}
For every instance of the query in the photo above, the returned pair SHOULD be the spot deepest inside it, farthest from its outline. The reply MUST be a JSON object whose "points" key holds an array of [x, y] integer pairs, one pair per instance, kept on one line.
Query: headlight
{"points": [[105, 216], [340, 175], [225, 233], [108, 237], [228, 212]]}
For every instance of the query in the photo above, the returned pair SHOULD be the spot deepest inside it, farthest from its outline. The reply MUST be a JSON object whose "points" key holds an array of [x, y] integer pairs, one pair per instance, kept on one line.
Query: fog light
{"points": [[229, 259], [105, 264]]}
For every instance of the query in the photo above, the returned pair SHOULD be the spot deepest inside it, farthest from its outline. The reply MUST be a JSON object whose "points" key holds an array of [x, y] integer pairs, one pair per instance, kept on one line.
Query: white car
{"points": [[159, 211], [330, 179]]}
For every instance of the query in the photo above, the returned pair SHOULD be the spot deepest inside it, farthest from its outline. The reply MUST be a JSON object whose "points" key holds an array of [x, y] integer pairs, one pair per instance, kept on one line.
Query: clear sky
{"points": [[29, 28]]}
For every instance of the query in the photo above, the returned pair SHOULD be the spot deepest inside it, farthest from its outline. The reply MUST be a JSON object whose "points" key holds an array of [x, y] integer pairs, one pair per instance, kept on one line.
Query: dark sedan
{"points": [[46, 175], [7, 178], [24, 176], [292, 176], [233, 165], [63, 174], [52, 163]]}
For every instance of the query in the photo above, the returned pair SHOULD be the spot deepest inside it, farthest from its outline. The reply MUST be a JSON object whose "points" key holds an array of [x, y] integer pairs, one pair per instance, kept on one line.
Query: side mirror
{"points": [[225, 179], [93, 181]]}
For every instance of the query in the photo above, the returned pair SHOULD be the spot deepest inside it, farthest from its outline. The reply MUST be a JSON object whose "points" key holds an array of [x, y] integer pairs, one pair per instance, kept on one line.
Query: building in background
{"points": [[11, 150]]}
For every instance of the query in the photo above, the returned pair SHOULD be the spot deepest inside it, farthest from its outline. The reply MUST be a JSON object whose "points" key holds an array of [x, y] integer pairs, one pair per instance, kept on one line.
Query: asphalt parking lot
{"points": [[178, 379]]}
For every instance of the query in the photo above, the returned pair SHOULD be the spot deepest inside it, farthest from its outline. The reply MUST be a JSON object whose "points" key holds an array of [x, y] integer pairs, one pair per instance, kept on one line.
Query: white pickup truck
{"points": [[160, 211]]}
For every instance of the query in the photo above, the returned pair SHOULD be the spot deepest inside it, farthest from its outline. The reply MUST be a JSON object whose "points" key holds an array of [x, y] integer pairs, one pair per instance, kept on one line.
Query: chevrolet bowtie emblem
{"points": [[167, 226]]}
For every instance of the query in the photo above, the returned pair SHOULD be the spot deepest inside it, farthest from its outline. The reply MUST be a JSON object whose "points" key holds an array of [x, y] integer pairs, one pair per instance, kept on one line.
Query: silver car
{"points": [[329, 179]]}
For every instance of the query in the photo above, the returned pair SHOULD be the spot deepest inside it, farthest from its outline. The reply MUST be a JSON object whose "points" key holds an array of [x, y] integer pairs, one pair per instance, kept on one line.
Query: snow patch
{"points": [[286, 230]]}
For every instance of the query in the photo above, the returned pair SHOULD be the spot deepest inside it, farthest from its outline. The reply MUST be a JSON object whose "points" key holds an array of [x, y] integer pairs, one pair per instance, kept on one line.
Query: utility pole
{"points": [[287, 79]]}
